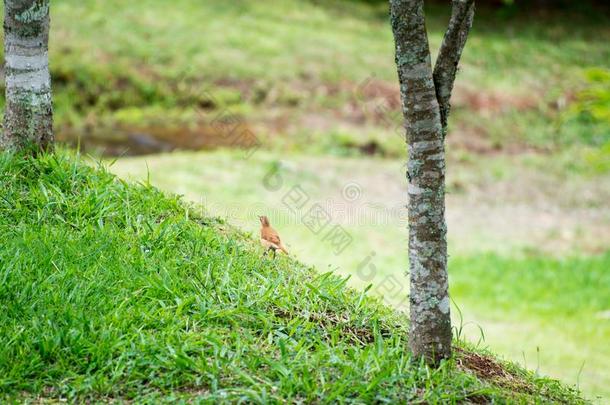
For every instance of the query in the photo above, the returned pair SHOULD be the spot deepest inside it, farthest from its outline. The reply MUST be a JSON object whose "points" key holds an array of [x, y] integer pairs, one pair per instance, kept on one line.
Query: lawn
{"points": [[527, 268], [117, 292], [298, 71], [313, 83]]}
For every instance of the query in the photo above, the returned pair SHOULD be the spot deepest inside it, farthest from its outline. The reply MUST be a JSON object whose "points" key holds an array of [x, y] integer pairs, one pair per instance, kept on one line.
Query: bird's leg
{"points": [[265, 252], [274, 253]]}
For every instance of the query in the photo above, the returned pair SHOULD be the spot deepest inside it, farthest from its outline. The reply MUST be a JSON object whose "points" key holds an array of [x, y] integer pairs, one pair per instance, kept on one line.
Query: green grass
{"points": [[568, 288], [115, 291], [179, 64], [547, 312], [527, 236], [291, 70]]}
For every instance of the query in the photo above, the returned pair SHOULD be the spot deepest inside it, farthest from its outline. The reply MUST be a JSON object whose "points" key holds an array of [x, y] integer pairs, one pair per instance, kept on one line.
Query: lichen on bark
{"points": [[425, 100], [28, 118]]}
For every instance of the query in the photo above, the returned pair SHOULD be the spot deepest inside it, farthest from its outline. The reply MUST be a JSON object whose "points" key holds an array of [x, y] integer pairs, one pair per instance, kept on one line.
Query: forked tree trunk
{"points": [[425, 98], [28, 116]]}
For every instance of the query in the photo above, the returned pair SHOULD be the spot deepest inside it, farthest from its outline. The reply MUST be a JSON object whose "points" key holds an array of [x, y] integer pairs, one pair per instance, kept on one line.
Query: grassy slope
{"points": [[114, 291], [537, 284]]}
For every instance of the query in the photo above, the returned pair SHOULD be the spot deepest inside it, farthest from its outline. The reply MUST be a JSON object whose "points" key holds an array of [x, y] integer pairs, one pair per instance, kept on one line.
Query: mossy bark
{"points": [[425, 102], [28, 117]]}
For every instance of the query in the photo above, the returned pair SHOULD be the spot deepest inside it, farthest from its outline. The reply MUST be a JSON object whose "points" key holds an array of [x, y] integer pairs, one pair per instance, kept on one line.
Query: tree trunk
{"points": [[425, 100], [28, 116]]}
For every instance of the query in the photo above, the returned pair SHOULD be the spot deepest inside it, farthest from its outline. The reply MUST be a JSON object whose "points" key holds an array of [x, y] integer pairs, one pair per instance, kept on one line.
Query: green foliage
{"points": [[117, 291], [596, 99], [588, 117], [598, 160]]}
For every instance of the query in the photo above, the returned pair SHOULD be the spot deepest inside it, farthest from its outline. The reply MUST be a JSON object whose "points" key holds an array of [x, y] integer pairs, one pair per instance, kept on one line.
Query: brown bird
{"points": [[270, 239]]}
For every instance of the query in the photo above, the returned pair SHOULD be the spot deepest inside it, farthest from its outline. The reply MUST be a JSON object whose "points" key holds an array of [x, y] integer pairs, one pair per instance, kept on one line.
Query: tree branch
{"points": [[462, 14]]}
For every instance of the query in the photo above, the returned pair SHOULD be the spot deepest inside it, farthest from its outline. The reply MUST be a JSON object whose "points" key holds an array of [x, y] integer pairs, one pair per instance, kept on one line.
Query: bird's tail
{"points": [[283, 248]]}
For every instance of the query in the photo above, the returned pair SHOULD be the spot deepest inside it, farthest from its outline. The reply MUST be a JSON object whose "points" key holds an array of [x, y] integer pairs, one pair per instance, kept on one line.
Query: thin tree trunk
{"points": [[28, 117], [425, 109]]}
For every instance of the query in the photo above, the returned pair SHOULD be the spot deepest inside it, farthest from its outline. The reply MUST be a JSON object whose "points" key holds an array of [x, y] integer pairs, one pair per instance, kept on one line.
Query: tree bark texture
{"points": [[28, 116], [425, 101]]}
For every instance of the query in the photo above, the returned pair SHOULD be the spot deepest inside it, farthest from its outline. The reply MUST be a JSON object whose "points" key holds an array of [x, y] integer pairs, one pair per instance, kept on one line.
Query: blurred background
{"points": [[291, 109]]}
